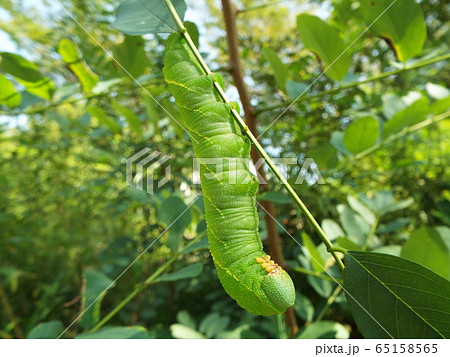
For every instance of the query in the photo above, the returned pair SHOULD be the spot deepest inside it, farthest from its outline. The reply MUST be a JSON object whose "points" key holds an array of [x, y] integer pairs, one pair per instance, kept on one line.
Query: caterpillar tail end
{"points": [[279, 289]]}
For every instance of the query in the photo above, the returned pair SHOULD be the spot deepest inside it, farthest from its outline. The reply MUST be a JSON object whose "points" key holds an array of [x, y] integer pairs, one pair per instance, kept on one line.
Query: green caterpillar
{"points": [[257, 283]]}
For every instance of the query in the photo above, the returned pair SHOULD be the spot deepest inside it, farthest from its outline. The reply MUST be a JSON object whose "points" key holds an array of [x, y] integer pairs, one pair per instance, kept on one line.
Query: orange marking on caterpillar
{"points": [[269, 265]]}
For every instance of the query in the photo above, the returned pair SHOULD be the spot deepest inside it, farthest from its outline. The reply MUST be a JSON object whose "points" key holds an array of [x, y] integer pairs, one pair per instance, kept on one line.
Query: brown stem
{"points": [[9, 311], [229, 13]]}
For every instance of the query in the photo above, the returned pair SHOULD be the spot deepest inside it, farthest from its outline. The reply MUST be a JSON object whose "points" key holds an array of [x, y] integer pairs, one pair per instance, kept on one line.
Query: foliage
{"points": [[375, 125]]}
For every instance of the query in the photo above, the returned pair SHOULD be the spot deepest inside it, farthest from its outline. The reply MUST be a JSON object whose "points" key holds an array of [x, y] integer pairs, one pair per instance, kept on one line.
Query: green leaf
{"points": [[95, 284], [275, 196], [8, 94], [295, 89], [389, 249], [104, 119], [357, 229], [20, 67], [279, 68], [200, 245], [405, 298], [323, 287], [104, 86], [213, 324], [440, 105], [324, 329], [393, 226], [347, 243], [383, 202], [325, 41], [141, 17], [27, 73], [72, 56], [359, 207], [325, 156], [431, 248], [184, 318], [50, 329], [193, 32], [242, 331], [392, 104], [132, 332], [130, 117], [188, 272], [361, 134], [182, 331], [315, 258], [332, 229], [303, 307], [337, 140], [413, 114], [436, 91], [402, 25], [169, 215], [130, 53]]}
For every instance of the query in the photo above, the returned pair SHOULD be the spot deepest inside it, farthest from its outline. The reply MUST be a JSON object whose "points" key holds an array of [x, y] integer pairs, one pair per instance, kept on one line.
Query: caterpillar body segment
{"points": [[248, 275]]}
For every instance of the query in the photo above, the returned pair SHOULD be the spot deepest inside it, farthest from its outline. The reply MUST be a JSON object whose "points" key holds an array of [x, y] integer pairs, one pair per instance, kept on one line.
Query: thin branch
{"points": [[317, 275], [329, 302], [245, 129], [358, 83], [42, 108], [229, 13], [261, 6], [140, 287], [9, 311], [408, 130]]}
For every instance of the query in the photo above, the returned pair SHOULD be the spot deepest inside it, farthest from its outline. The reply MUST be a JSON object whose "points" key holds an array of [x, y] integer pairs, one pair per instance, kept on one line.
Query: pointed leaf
{"points": [[213, 324], [325, 156], [413, 114], [140, 17], [131, 118], [20, 67], [50, 329], [303, 307], [132, 332], [361, 134], [357, 229], [104, 119], [402, 25], [332, 229], [324, 329], [95, 284], [295, 89], [365, 212], [72, 56], [431, 248], [278, 67], [405, 298], [188, 272], [182, 331], [8, 94], [130, 53], [315, 258], [169, 214], [325, 41], [27, 73]]}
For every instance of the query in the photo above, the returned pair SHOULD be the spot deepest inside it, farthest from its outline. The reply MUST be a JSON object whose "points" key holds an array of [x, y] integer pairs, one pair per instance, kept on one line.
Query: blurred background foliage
{"points": [[70, 117]]}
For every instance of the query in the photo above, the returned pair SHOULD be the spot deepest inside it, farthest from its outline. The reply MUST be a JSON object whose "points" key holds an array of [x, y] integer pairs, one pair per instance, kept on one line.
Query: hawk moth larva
{"points": [[256, 282]]}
